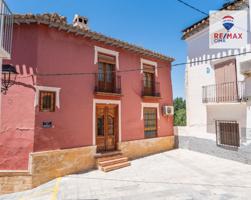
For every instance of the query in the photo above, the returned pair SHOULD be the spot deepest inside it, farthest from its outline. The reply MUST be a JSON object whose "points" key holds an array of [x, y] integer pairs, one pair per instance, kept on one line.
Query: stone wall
{"points": [[140, 148], [188, 138], [14, 181], [48, 165]]}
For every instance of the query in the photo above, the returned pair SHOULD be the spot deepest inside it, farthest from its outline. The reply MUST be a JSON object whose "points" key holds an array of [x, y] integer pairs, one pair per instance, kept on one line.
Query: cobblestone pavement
{"points": [[176, 174]]}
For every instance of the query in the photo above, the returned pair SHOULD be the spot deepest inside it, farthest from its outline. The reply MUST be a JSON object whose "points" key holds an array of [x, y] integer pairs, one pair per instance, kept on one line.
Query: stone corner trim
{"points": [[140, 148]]}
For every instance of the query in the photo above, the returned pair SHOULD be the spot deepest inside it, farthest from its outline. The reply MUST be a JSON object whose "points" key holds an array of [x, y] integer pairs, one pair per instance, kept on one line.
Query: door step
{"points": [[108, 163], [107, 154]]}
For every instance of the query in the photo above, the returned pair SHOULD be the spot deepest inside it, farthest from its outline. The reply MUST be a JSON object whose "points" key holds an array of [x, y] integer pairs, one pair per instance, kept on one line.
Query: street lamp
{"points": [[9, 75]]}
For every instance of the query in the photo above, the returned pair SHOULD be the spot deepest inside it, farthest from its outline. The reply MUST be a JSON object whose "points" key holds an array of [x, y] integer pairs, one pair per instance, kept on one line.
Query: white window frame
{"points": [[106, 51], [148, 62], [49, 89], [149, 105]]}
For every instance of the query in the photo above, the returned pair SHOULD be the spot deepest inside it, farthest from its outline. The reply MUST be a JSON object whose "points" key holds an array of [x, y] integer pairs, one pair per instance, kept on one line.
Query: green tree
{"points": [[179, 111]]}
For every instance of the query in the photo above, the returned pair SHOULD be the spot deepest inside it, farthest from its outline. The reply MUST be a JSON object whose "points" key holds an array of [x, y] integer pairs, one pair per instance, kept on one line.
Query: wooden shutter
{"points": [[226, 81], [225, 72], [106, 58], [148, 68]]}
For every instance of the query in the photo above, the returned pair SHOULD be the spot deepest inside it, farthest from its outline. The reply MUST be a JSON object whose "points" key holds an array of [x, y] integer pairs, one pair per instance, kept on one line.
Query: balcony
{"points": [[6, 29], [107, 85], [150, 89], [224, 93]]}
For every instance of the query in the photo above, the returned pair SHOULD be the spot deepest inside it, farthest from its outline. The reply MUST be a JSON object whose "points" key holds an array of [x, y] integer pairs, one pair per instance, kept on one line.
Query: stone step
{"points": [[112, 161], [107, 154], [115, 166], [101, 159]]}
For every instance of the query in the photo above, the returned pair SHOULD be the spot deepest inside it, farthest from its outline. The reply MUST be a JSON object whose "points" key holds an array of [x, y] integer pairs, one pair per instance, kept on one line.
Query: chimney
{"points": [[81, 22]]}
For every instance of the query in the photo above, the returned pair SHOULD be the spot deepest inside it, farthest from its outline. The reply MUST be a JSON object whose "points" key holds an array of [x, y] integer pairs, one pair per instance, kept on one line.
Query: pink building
{"points": [[78, 95]]}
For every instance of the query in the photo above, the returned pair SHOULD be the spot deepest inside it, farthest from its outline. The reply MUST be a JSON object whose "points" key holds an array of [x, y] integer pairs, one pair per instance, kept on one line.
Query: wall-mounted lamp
{"points": [[9, 75]]}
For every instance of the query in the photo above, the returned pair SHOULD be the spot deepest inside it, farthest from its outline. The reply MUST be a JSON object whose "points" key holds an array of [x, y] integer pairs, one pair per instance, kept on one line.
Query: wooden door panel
{"points": [[106, 127], [226, 81], [100, 127]]}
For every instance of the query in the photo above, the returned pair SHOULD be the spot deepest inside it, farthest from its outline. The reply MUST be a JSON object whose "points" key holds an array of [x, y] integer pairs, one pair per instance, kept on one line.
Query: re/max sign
{"points": [[222, 37]]}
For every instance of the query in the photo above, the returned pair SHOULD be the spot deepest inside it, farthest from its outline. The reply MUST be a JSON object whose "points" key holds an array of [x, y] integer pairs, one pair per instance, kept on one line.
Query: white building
{"points": [[218, 91], [6, 27]]}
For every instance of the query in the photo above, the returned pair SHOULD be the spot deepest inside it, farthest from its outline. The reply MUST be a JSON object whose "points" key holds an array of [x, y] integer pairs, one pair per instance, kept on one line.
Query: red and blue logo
{"points": [[228, 22]]}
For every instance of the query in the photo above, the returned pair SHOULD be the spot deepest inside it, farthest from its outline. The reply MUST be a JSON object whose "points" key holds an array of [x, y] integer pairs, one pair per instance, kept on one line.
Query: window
{"points": [[106, 73], [150, 122], [47, 101], [109, 55], [149, 77]]}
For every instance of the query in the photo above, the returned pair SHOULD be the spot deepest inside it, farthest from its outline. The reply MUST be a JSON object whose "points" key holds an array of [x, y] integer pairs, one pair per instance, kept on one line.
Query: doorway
{"points": [[106, 127]]}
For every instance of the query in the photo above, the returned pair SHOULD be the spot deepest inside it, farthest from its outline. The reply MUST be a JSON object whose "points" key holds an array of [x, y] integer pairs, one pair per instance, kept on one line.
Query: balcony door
{"points": [[226, 81], [149, 80], [106, 73], [106, 127]]}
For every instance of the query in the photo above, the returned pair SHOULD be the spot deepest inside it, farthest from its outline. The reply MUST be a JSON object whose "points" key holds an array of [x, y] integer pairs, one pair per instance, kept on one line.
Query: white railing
{"points": [[6, 29]]}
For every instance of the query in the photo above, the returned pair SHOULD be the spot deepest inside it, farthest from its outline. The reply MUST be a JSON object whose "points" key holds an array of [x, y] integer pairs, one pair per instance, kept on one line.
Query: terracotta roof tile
{"points": [[60, 22]]}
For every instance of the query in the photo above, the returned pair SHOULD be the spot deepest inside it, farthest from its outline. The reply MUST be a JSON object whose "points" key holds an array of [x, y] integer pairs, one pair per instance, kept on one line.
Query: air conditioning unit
{"points": [[168, 110]]}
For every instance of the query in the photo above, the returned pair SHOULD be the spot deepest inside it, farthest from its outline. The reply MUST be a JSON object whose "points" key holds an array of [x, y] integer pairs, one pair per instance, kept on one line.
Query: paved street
{"points": [[177, 174]]}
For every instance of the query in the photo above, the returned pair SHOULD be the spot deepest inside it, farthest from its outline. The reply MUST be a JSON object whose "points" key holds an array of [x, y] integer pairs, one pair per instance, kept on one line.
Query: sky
{"points": [[153, 24]]}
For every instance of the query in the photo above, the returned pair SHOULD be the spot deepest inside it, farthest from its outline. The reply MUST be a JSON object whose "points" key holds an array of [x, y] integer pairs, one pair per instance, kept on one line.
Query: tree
{"points": [[179, 111]]}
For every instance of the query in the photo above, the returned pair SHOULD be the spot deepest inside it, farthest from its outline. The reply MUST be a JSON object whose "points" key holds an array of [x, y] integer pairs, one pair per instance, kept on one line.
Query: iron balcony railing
{"points": [[107, 83], [6, 30], [224, 92], [150, 88]]}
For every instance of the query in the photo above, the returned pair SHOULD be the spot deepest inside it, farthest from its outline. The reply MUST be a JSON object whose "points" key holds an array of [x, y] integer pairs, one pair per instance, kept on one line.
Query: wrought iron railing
{"points": [[227, 133], [6, 30], [107, 83], [150, 88], [224, 92]]}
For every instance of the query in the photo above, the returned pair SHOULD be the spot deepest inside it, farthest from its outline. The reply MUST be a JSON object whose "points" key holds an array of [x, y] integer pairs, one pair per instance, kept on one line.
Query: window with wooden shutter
{"points": [[148, 77], [150, 122], [47, 101], [106, 73], [103, 58]]}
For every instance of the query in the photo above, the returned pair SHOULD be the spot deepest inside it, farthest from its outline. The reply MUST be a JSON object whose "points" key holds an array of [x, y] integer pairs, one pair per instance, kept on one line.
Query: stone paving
{"points": [[176, 174]]}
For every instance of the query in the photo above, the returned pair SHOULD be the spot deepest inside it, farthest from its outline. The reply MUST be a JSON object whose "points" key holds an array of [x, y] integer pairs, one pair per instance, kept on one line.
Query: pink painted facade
{"points": [[44, 50]]}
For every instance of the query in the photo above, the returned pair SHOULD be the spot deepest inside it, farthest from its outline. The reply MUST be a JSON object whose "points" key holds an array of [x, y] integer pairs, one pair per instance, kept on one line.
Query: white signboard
{"points": [[227, 29]]}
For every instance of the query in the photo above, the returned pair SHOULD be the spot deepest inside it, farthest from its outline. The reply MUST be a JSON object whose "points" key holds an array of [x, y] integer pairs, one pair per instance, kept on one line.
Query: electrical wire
{"points": [[206, 14], [139, 69]]}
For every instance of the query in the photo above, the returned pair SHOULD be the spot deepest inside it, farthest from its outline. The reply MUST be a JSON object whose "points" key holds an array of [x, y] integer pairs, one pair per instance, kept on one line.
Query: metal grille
{"points": [[150, 88], [224, 92], [47, 101], [227, 133], [150, 122], [6, 28]]}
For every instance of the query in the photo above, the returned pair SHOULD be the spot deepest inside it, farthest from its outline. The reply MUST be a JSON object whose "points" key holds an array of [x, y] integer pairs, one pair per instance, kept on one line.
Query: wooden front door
{"points": [[106, 127]]}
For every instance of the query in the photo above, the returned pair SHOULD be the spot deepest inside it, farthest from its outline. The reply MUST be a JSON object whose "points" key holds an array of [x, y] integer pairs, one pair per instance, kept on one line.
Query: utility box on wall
{"points": [[167, 110]]}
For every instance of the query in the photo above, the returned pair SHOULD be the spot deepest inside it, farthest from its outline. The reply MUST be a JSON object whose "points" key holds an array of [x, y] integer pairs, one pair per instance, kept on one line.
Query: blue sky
{"points": [[153, 24]]}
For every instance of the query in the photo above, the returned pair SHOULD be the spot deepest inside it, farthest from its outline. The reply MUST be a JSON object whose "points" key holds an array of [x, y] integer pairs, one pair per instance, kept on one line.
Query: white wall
{"points": [[197, 76], [234, 111]]}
